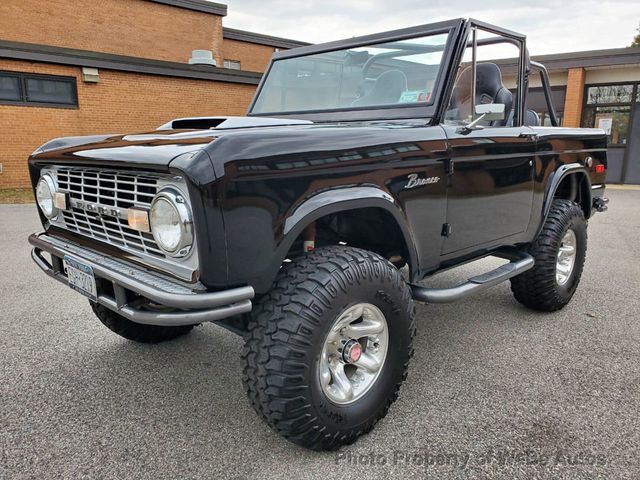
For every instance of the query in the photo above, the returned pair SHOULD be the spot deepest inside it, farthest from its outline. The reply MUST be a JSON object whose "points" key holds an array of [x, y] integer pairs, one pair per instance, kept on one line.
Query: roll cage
{"points": [[462, 34]]}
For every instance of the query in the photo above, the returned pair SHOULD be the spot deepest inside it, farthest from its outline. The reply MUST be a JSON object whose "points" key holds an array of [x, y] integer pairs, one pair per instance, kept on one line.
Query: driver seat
{"points": [[489, 89]]}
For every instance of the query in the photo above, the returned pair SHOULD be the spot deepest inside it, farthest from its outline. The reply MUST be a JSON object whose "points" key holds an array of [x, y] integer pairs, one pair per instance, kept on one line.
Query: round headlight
{"points": [[170, 222], [45, 189]]}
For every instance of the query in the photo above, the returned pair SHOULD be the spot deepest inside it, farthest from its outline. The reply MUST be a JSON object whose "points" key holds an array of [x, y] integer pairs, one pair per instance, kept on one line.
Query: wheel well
{"points": [[575, 187], [371, 228]]}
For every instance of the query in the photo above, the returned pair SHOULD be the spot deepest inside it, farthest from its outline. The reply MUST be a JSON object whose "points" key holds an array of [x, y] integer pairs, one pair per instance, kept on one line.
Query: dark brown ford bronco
{"points": [[362, 168]]}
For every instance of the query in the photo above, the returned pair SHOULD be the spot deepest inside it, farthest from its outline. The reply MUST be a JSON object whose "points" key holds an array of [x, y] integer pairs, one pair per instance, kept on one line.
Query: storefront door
{"points": [[614, 108]]}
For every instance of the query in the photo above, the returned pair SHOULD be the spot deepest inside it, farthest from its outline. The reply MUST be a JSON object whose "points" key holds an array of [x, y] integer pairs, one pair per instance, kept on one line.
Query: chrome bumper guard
{"points": [[183, 305]]}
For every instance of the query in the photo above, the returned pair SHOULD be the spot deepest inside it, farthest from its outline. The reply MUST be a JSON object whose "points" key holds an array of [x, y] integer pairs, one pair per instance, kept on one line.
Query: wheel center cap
{"points": [[352, 351]]}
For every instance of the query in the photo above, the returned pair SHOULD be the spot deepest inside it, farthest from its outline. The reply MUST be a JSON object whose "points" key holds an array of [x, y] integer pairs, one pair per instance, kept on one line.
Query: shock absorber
{"points": [[309, 237]]}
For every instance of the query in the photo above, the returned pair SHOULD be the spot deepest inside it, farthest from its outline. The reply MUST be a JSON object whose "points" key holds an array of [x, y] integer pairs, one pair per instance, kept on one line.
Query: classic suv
{"points": [[363, 167]]}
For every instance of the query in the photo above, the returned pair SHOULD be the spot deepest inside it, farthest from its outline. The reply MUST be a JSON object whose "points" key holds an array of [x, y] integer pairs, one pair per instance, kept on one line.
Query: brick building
{"points": [[115, 66], [119, 66], [599, 89]]}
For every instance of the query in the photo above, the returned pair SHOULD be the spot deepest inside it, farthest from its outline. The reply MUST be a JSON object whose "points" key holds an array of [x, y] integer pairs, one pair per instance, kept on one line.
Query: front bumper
{"points": [[130, 290]]}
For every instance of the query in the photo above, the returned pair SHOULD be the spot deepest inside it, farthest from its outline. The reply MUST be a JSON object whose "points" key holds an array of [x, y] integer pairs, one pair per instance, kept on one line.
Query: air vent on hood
{"points": [[225, 123], [197, 123]]}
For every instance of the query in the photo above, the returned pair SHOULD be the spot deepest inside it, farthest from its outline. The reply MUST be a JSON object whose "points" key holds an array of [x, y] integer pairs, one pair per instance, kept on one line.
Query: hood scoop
{"points": [[227, 123]]}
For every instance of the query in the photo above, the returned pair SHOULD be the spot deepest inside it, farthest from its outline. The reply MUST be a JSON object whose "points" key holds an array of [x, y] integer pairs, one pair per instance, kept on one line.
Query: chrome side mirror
{"points": [[490, 111]]}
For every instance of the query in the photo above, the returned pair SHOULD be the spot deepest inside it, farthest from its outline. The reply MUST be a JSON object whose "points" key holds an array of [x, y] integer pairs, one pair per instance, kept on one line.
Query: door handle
{"points": [[531, 135]]}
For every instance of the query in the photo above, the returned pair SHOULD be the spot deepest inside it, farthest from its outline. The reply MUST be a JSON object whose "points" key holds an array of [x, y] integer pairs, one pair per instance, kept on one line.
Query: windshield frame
{"points": [[376, 112]]}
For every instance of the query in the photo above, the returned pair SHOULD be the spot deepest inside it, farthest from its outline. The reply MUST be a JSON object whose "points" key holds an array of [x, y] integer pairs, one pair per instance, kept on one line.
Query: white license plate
{"points": [[80, 277]]}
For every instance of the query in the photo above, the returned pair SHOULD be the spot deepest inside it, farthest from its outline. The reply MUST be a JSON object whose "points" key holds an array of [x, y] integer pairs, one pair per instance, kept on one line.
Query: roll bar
{"points": [[546, 87]]}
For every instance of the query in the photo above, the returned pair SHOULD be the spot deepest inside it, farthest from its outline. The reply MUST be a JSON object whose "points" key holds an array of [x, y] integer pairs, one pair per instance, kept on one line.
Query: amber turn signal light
{"points": [[138, 219], [60, 200]]}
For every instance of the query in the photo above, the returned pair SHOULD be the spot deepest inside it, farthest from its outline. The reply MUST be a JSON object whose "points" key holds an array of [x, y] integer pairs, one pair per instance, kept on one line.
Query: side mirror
{"points": [[487, 111], [490, 111]]}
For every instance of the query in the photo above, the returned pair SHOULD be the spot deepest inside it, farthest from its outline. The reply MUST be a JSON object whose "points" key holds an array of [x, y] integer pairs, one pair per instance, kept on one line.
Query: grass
{"points": [[16, 195]]}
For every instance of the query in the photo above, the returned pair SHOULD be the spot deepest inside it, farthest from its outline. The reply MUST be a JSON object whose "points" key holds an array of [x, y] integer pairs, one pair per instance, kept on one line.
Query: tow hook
{"points": [[600, 204]]}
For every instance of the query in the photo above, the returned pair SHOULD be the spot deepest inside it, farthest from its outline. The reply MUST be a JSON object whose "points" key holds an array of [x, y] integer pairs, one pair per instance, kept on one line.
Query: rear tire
{"points": [[559, 252], [137, 332], [294, 346]]}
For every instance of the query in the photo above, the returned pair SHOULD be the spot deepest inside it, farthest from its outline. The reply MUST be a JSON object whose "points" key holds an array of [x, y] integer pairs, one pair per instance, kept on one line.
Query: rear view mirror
{"points": [[490, 111]]}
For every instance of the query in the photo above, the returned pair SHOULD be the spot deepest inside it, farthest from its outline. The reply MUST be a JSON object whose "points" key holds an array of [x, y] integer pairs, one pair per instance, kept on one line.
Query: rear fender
{"points": [[583, 181]]}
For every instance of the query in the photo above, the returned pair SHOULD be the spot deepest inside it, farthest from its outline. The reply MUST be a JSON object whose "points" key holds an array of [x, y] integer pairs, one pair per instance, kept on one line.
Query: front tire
{"points": [[137, 332], [328, 347], [559, 252]]}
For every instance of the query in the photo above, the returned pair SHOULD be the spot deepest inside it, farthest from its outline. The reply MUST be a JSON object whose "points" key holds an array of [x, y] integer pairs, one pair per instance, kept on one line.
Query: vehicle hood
{"points": [[155, 150], [200, 149]]}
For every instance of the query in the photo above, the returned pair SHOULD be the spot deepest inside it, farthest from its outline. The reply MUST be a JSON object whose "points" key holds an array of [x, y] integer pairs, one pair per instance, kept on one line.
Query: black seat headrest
{"points": [[489, 89]]}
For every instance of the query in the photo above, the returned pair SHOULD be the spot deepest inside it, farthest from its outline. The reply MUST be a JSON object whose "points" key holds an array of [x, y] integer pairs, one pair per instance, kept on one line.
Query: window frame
{"points": [[24, 102], [389, 112], [226, 61], [356, 111], [20, 85], [635, 91], [634, 86], [522, 77]]}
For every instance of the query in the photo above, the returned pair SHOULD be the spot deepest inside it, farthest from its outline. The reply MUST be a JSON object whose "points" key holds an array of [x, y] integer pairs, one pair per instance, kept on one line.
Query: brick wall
{"points": [[574, 97], [252, 57], [135, 28], [120, 103]]}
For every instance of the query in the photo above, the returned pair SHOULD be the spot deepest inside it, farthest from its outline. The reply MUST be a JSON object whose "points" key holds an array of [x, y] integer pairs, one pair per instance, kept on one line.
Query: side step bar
{"points": [[520, 262]]}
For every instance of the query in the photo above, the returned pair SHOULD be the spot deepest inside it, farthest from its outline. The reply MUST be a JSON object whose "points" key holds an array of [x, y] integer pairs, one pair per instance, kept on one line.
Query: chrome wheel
{"points": [[566, 257], [354, 353]]}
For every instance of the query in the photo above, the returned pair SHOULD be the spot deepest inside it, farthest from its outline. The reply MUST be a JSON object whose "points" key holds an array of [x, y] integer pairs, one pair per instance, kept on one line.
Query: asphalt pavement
{"points": [[494, 390]]}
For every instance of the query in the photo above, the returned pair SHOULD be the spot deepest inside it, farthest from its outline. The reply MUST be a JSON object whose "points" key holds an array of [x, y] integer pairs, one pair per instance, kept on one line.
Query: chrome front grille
{"points": [[108, 189], [98, 203], [111, 230]]}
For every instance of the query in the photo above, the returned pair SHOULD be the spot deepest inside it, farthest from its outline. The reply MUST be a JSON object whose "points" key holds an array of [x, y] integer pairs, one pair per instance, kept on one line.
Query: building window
{"points": [[609, 107], [10, 87], [604, 94], [232, 64], [42, 90]]}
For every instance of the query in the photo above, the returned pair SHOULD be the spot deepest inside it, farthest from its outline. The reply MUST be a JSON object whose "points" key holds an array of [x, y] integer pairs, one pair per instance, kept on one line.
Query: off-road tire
{"points": [[285, 337], [537, 288], [137, 332]]}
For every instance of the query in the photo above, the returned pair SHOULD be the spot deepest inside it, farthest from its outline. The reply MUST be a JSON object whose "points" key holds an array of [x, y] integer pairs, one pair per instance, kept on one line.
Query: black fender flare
{"points": [[344, 199], [554, 182]]}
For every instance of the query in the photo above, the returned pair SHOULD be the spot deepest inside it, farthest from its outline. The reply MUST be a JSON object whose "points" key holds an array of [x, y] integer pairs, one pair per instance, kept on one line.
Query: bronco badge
{"points": [[414, 181]]}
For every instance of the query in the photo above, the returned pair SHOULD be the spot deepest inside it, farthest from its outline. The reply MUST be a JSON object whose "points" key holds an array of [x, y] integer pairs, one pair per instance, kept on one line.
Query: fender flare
{"points": [[554, 182], [349, 198]]}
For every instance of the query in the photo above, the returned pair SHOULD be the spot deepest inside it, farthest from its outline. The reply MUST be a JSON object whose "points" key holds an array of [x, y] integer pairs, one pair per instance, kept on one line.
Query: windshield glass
{"points": [[400, 72]]}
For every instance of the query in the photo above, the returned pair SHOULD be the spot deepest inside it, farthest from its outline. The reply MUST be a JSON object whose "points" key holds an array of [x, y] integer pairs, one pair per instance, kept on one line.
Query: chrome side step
{"points": [[520, 262]]}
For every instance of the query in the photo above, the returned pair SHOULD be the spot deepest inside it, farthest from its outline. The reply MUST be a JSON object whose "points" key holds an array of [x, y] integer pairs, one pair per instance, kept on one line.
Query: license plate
{"points": [[80, 277]]}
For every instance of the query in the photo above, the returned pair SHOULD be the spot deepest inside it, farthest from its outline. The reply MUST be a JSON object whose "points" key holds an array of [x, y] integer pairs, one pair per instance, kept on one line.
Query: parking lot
{"points": [[494, 390]]}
